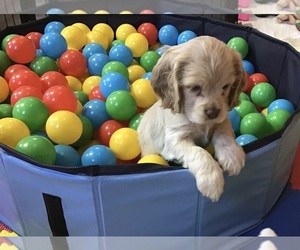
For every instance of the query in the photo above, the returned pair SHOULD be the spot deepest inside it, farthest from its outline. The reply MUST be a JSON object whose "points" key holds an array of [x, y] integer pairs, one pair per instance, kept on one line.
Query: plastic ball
{"points": [[161, 50], [278, 118], [24, 77], [13, 69], [96, 112], [262, 94], [240, 45], [74, 83], [5, 110], [106, 29], [143, 93], [248, 67], [60, 98], [6, 62], [245, 107], [168, 35], [124, 30], [125, 12], [121, 105], [117, 41], [146, 11], [135, 72], [72, 63], [12, 130], [147, 75], [112, 82], [281, 104], [87, 132], [78, 11], [85, 29], [115, 66], [75, 37], [154, 159], [4, 89], [101, 12], [90, 83], [43, 64], [135, 121], [5, 41], [254, 124], [235, 120], [53, 44], [95, 36], [107, 129], [150, 31], [54, 26], [53, 78], [32, 111], [185, 36], [96, 94], [149, 59], [245, 139], [66, 156], [244, 96], [55, 11], [255, 79], [25, 91], [124, 143], [93, 48], [81, 96], [98, 155], [20, 49], [138, 44], [64, 127], [96, 63], [121, 53]]}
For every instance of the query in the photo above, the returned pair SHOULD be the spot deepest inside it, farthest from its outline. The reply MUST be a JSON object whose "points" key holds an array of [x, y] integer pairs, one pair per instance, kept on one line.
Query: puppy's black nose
{"points": [[212, 113]]}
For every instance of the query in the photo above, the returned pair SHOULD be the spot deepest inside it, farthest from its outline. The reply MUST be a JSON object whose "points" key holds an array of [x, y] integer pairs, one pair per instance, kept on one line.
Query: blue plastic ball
{"points": [[95, 111], [98, 155], [168, 34], [93, 48], [235, 120], [121, 53], [281, 104], [55, 11], [53, 44], [185, 36], [54, 26], [39, 52], [147, 75], [96, 62], [245, 139], [160, 50], [248, 67], [112, 82], [168, 13], [66, 156]]}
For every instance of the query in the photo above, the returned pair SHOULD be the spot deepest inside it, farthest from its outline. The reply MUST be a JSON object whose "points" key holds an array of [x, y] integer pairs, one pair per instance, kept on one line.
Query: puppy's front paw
{"points": [[231, 158]]}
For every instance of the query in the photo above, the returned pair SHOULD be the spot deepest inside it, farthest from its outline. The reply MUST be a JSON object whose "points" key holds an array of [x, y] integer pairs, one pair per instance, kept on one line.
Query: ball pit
{"points": [[102, 131]]}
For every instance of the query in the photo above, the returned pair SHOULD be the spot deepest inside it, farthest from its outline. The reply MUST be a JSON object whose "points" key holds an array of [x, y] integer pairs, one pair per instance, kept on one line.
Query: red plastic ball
{"points": [[60, 98], [24, 77], [21, 49], [96, 94], [13, 69], [35, 37], [150, 31], [107, 129], [255, 79], [25, 91], [73, 63], [53, 78]]}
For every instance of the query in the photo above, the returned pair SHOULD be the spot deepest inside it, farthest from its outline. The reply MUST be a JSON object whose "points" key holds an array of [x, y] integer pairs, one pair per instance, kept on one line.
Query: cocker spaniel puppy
{"points": [[197, 83]]}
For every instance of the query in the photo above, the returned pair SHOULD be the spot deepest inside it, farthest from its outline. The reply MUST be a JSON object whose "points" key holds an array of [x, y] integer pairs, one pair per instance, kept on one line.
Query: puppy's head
{"points": [[201, 78]]}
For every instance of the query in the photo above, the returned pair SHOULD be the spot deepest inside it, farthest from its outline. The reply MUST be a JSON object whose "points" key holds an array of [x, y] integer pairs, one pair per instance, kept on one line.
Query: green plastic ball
{"points": [[117, 42], [240, 45], [135, 121], [43, 64], [244, 96], [149, 59], [5, 62], [5, 110], [37, 147], [32, 111], [278, 118], [115, 66], [87, 132], [121, 105], [255, 124], [262, 94], [82, 97], [5, 41], [245, 108]]}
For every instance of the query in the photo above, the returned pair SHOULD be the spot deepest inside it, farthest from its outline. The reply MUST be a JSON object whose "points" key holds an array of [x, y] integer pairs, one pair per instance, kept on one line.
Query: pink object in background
{"points": [[243, 3], [244, 17]]}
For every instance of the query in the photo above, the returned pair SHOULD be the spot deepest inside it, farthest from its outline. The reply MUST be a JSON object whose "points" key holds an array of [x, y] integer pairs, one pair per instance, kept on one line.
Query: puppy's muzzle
{"points": [[212, 113]]}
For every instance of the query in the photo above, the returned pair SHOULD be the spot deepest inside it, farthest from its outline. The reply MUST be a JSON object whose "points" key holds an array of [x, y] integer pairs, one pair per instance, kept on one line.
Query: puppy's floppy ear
{"points": [[239, 83], [166, 77]]}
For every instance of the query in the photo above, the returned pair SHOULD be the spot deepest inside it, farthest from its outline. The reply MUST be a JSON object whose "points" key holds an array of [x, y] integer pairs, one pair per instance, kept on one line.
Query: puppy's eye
{"points": [[196, 89], [226, 86]]}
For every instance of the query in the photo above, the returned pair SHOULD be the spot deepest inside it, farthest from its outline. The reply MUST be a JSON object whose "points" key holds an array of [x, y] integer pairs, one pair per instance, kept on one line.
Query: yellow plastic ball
{"points": [[143, 93], [78, 12], [90, 83], [126, 12], [4, 89], [64, 127], [74, 83], [135, 62], [124, 30], [78, 108], [157, 159], [124, 143], [138, 44], [96, 36], [106, 29], [101, 12], [85, 29], [135, 72], [265, 111], [12, 130], [74, 36]]}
